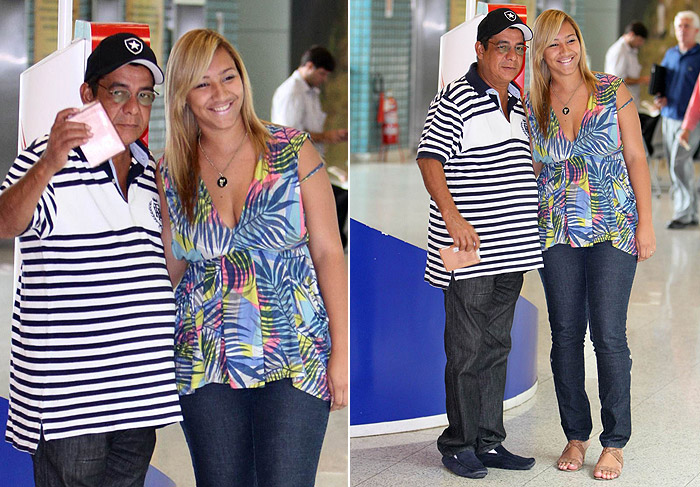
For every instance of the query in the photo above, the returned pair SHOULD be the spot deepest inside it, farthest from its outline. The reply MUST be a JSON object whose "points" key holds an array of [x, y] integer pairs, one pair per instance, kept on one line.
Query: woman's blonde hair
{"points": [[188, 62], [547, 26]]}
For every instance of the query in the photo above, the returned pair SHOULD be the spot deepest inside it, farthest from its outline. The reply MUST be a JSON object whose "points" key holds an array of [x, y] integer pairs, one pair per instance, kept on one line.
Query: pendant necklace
{"points": [[222, 181], [564, 110]]}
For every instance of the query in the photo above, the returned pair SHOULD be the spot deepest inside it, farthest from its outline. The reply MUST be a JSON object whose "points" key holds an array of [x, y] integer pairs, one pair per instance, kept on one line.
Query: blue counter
{"points": [[396, 339]]}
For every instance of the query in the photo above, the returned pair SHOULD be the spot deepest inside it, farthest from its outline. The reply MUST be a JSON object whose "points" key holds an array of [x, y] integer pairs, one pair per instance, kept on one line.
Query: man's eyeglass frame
{"points": [[122, 95]]}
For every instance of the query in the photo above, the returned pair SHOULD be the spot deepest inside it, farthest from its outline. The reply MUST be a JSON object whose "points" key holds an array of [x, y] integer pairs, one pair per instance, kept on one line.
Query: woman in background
{"points": [[253, 247], [595, 225]]}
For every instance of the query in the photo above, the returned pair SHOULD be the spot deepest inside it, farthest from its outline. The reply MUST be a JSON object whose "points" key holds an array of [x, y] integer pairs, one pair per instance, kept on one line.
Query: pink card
{"points": [[105, 141], [453, 258]]}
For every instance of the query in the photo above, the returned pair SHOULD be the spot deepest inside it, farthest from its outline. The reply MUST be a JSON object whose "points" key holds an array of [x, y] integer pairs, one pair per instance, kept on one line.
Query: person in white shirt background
{"points": [[297, 103], [622, 58]]}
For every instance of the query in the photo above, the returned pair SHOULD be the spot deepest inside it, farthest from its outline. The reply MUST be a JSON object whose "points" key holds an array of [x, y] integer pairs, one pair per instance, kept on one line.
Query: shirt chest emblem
{"points": [[154, 210]]}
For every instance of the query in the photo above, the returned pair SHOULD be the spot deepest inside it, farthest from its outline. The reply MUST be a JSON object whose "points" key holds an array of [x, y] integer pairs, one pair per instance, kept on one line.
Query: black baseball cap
{"points": [[119, 49], [499, 20]]}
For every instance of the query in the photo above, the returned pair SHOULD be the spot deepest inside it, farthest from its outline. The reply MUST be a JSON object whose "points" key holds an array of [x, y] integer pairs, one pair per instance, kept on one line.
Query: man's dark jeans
{"points": [[590, 287], [478, 318], [116, 459]]}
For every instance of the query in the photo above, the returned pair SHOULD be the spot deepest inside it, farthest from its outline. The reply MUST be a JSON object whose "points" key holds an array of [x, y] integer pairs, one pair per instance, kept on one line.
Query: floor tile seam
{"points": [[540, 383], [663, 387], [692, 480], [538, 475], [385, 435], [370, 477], [645, 322], [392, 465], [387, 467]]}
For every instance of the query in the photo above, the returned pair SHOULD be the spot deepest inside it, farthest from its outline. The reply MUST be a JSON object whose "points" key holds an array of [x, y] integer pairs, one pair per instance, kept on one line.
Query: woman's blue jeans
{"points": [[590, 287], [267, 437]]}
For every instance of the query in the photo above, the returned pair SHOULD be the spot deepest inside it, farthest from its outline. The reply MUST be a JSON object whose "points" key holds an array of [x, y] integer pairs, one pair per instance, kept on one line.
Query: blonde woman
{"points": [[253, 247], [595, 226]]}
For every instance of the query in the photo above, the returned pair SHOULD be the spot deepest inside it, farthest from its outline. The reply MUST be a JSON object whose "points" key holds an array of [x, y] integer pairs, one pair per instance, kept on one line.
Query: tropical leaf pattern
{"points": [[585, 196], [249, 310]]}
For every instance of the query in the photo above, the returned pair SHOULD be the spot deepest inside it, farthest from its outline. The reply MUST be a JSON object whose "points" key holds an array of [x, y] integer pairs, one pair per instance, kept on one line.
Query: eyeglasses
{"points": [[504, 48], [121, 95]]}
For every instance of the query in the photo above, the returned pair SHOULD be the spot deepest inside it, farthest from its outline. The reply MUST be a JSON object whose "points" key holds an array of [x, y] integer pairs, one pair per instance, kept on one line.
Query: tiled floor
{"points": [[171, 456], [663, 330]]}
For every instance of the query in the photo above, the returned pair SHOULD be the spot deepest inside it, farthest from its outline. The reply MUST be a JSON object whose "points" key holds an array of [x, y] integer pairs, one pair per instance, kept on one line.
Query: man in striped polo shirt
{"points": [[474, 156], [91, 372]]}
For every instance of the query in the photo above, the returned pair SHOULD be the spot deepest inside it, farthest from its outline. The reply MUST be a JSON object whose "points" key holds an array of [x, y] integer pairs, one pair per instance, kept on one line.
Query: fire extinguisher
{"points": [[388, 117], [387, 112]]}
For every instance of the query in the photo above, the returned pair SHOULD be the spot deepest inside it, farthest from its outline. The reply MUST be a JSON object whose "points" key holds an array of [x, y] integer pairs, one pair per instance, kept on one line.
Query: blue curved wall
{"points": [[397, 357]]}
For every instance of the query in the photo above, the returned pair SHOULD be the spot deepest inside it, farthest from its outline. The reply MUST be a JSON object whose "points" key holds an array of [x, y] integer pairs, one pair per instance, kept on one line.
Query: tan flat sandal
{"points": [[605, 464], [574, 454]]}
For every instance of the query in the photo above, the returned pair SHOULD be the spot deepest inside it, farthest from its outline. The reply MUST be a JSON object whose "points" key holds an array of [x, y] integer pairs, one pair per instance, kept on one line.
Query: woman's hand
{"points": [[646, 241], [338, 380]]}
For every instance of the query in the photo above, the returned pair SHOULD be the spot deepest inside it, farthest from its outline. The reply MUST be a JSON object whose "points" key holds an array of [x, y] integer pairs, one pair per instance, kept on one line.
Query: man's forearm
{"points": [[18, 202], [318, 137], [436, 184], [462, 232]]}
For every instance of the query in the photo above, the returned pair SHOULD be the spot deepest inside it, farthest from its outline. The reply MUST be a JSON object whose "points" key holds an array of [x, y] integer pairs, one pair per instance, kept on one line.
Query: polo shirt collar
{"points": [[483, 88], [693, 49], [139, 163], [139, 153]]}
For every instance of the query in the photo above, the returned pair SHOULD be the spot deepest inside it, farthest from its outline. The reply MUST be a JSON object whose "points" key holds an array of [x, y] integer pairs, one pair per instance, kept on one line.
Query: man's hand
{"points": [[660, 101], [18, 202], [335, 136], [64, 136], [461, 231], [683, 137]]}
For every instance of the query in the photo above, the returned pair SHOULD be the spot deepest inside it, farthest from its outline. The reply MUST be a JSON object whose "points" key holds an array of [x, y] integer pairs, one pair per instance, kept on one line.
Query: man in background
{"points": [[297, 103], [622, 59], [682, 63]]}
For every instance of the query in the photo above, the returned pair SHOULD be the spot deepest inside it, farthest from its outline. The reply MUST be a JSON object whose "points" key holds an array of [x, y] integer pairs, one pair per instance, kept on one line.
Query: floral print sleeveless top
{"points": [[249, 310], [585, 195]]}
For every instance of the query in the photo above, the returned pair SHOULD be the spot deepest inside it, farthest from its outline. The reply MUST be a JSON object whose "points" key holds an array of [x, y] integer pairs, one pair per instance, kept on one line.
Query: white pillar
{"points": [[65, 20], [471, 10]]}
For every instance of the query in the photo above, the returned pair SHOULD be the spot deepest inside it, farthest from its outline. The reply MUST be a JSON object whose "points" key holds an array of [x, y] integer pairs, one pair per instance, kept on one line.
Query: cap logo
{"points": [[134, 45], [510, 15]]}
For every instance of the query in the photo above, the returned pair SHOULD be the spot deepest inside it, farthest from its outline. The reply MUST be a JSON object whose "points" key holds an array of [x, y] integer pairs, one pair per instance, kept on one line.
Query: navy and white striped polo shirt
{"points": [[93, 316], [488, 168]]}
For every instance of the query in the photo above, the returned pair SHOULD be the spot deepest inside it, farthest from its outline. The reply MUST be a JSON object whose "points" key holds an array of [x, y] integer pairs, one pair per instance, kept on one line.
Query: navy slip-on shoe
{"points": [[677, 224], [499, 457], [465, 464]]}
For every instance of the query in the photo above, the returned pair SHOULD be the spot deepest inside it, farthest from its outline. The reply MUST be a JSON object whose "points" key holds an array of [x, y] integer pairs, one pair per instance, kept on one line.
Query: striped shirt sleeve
{"points": [[41, 224], [443, 128]]}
